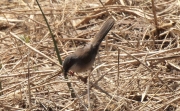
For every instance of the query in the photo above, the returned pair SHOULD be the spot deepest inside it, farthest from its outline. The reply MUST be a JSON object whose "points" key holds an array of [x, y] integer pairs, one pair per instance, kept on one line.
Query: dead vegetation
{"points": [[137, 68]]}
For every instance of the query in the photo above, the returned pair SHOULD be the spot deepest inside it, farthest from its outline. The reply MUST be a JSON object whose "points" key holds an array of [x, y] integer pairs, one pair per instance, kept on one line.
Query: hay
{"points": [[146, 76]]}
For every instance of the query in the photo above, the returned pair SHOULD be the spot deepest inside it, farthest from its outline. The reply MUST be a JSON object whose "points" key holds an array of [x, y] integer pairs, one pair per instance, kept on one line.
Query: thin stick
{"points": [[118, 67], [29, 88], [155, 18]]}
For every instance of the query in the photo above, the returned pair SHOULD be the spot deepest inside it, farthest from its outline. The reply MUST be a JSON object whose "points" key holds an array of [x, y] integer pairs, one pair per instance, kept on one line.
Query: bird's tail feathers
{"points": [[103, 32]]}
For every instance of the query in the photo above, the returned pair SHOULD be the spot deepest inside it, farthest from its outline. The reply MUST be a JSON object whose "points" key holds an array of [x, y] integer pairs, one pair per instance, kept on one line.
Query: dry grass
{"points": [[146, 77]]}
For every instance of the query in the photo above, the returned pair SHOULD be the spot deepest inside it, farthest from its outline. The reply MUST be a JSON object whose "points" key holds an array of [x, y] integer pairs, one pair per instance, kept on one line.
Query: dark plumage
{"points": [[83, 58]]}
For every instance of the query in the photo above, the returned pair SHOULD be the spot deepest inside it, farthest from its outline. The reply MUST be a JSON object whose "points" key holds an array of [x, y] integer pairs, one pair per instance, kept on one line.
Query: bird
{"points": [[83, 58]]}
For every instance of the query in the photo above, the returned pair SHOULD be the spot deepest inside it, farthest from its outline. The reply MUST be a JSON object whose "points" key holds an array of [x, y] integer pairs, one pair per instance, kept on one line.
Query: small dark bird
{"points": [[83, 58]]}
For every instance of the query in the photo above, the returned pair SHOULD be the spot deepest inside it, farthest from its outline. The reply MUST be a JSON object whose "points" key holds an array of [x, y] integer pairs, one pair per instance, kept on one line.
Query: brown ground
{"points": [[146, 77]]}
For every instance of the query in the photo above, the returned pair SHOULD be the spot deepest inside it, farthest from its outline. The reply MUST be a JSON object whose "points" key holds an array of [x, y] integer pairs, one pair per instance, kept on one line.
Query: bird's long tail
{"points": [[103, 32]]}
